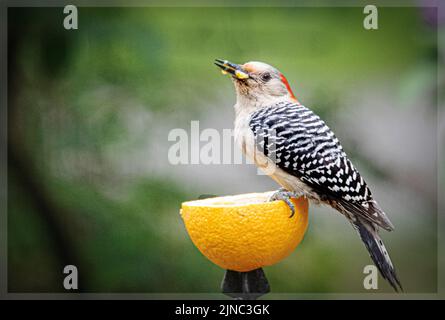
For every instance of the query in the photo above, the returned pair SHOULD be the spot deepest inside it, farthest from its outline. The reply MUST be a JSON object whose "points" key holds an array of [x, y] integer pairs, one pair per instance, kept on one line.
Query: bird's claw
{"points": [[285, 195]]}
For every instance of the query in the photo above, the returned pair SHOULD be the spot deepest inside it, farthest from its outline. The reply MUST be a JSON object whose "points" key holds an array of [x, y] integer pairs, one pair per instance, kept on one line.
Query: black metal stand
{"points": [[245, 285]]}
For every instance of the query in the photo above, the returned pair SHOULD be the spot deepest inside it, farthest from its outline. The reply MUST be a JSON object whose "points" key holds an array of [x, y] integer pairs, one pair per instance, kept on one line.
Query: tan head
{"points": [[257, 82]]}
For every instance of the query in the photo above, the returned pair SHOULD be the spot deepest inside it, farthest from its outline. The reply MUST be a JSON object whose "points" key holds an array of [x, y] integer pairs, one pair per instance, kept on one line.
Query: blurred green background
{"points": [[89, 182]]}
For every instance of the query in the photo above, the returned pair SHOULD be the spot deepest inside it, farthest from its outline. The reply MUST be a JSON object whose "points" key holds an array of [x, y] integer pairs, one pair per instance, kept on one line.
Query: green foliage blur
{"points": [[82, 101]]}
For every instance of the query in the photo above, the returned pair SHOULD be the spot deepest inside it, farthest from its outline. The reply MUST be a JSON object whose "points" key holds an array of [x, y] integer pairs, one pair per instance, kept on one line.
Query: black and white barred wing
{"points": [[301, 144]]}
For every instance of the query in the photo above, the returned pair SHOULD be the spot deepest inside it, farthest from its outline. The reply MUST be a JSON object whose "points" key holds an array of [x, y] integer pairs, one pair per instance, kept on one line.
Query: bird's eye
{"points": [[265, 76]]}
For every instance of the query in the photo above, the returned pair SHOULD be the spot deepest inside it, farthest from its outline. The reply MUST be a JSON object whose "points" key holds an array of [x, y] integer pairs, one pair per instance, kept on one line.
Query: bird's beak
{"points": [[234, 69]]}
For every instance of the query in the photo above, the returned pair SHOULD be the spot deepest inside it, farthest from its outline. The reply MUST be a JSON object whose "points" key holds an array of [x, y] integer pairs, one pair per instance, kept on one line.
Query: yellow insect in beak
{"points": [[235, 70], [241, 75]]}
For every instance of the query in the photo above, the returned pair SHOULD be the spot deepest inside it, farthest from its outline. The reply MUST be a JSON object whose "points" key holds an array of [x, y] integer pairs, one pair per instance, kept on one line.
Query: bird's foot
{"points": [[285, 195]]}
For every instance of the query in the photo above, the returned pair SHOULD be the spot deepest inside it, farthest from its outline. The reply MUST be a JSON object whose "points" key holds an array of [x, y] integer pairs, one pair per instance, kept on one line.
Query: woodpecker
{"points": [[276, 131]]}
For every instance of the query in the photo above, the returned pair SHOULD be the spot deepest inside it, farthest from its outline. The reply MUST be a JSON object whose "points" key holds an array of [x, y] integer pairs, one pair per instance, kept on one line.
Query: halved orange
{"points": [[245, 232]]}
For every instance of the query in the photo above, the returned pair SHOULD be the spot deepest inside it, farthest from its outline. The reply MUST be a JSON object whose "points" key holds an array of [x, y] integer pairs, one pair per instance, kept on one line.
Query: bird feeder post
{"points": [[245, 285], [220, 227]]}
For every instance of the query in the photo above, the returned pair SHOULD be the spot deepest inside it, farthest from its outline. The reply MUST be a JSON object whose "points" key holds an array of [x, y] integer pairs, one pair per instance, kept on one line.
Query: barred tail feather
{"points": [[377, 251]]}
